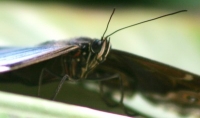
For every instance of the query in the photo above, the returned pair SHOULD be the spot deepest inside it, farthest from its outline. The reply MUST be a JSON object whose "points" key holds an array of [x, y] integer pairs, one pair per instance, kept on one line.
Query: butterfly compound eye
{"points": [[96, 46]]}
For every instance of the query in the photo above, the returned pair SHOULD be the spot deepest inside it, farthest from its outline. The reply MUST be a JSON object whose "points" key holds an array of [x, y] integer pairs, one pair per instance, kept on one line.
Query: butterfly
{"points": [[93, 59]]}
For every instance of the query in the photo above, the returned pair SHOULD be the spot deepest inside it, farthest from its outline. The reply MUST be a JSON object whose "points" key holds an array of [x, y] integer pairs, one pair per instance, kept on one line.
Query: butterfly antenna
{"points": [[108, 22], [145, 21]]}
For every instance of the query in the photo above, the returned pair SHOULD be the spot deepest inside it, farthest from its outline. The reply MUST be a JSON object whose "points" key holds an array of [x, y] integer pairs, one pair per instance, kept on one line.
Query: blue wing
{"points": [[12, 58]]}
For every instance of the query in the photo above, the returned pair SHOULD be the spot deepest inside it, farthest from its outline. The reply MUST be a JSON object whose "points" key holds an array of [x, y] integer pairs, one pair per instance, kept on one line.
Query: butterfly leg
{"points": [[102, 91], [44, 70], [121, 102], [63, 79]]}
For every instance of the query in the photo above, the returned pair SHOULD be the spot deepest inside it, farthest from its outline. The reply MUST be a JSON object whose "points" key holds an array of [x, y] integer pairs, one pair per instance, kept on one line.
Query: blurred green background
{"points": [[173, 40]]}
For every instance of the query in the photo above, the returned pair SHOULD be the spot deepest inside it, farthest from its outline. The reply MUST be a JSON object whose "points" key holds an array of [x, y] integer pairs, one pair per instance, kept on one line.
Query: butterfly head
{"points": [[91, 53], [98, 50]]}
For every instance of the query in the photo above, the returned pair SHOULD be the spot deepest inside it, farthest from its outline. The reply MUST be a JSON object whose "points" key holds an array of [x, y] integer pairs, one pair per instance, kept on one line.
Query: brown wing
{"points": [[153, 79]]}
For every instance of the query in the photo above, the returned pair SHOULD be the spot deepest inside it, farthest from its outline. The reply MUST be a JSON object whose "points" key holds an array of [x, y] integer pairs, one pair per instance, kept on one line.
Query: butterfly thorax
{"points": [[83, 60]]}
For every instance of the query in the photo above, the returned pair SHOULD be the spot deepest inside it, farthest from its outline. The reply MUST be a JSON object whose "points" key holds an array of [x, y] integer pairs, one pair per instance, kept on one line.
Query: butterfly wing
{"points": [[12, 58], [153, 79]]}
